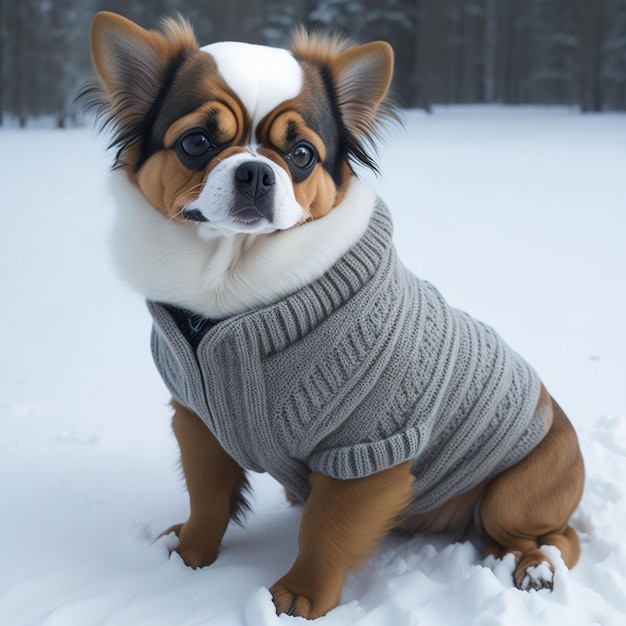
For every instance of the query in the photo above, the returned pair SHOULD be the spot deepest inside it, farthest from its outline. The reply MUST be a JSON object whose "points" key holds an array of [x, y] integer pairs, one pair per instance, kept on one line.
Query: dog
{"points": [[291, 337]]}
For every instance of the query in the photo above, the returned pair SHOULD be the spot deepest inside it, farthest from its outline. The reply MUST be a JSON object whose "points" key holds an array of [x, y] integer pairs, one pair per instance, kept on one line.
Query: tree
{"points": [[447, 51]]}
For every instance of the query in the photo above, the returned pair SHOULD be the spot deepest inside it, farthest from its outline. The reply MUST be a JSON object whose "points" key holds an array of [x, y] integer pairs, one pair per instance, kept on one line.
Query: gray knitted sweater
{"points": [[363, 369]]}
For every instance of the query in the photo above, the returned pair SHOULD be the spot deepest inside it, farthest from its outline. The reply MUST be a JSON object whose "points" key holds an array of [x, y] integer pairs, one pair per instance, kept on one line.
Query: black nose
{"points": [[255, 178]]}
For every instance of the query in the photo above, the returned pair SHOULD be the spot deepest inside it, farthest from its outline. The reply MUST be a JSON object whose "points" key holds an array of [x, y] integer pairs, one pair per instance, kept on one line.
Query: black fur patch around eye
{"points": [[328, 127], [182, 98]]}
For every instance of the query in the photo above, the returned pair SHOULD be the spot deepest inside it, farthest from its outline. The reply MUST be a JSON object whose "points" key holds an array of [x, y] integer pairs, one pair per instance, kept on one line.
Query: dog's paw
{"points": [[193, 547], [538, 577], [534, 572], [298, 603], [287, 602]]}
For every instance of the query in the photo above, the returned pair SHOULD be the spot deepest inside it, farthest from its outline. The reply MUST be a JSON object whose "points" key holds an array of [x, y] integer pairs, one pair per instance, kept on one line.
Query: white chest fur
{"points": [[168, 262]]}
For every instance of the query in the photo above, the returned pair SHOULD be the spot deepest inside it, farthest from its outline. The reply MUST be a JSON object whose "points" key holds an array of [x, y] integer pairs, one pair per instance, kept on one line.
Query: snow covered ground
{"points": [[517, 215]]}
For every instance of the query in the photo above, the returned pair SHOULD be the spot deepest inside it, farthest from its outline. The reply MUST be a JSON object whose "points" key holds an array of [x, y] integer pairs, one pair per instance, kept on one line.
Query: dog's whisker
{"points": [[173, 217], [191, 189]]}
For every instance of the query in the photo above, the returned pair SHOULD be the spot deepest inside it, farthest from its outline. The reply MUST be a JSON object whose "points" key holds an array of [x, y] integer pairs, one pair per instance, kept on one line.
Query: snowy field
{"points": [[518, 216]]}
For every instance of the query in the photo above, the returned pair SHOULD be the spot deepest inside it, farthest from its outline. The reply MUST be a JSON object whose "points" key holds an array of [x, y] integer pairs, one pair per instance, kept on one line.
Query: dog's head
{"points": [[235, 137]]}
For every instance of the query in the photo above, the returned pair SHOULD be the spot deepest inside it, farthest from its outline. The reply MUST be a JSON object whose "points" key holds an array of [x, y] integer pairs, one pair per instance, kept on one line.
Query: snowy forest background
{"points": [[567, 52]]}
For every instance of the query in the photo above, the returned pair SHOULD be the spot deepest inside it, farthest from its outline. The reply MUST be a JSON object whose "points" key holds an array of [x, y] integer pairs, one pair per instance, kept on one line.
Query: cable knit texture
{"points": [[363, 369]]}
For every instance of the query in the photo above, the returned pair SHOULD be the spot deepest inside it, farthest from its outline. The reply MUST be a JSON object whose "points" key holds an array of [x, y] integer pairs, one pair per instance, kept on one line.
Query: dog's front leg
{"points": [[214, 482], [342, 523]]}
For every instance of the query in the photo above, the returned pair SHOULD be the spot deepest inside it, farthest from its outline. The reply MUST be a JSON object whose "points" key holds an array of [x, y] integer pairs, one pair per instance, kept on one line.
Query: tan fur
{"points": [[230, 129], [529, 505], [214, 482], [167, 185], [342, 524], [453, 517], [319, 47]]}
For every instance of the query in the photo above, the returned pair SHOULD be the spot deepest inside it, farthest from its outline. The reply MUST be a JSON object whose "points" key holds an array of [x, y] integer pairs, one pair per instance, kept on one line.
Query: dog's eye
{"points": [[195, 144], [303, 156], [194, 148]]}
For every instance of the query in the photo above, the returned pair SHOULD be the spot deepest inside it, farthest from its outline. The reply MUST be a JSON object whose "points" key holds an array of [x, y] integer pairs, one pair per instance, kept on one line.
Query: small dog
{"points": [[292, 339]]}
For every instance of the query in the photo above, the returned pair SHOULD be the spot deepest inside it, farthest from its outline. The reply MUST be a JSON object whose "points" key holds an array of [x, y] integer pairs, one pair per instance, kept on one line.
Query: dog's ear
{"points": [[133, 63], [362, 75], [358, 77]]}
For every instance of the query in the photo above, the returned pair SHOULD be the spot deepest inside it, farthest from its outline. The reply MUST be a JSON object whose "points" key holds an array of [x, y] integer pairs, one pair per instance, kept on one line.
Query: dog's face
{"points": [[234, 137]]}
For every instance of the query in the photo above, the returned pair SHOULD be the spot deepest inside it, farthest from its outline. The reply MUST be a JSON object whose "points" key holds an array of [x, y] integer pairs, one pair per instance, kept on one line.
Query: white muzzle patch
{"points": [[246, 193]]}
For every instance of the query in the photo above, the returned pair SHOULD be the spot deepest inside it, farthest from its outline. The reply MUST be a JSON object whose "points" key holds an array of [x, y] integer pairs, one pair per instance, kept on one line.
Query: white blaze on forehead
{"points": [[262, 77]]}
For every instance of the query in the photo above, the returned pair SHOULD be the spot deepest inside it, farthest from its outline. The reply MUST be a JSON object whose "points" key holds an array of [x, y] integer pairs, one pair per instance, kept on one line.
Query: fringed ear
{"points": [[134, 66], [132, 62], [362, 76]]}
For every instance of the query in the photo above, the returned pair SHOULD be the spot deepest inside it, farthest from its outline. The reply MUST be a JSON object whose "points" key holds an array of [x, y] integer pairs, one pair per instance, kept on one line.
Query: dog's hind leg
{"points": [[342, 523], [215, 483], [529, 505]]}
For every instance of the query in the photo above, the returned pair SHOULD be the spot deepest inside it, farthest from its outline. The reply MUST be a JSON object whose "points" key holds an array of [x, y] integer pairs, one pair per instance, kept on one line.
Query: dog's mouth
{"points": [[248, 216], [242, 218]]}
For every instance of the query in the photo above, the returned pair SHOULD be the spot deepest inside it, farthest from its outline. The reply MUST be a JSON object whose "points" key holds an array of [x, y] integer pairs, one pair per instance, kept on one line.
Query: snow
{"points": [[517, 215]]}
